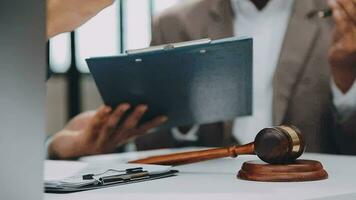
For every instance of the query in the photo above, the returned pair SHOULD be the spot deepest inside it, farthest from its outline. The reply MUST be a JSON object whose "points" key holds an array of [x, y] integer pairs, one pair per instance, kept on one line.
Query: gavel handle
{"points": [[197, 156]]}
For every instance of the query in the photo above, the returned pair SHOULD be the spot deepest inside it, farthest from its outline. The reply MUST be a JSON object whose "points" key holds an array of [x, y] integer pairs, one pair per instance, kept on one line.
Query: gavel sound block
{"points": [[279, 146], [299, 170]]}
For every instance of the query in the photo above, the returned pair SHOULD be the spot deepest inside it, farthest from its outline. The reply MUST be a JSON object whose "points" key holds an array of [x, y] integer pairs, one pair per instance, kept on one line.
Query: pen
{"points": [[124, 178], [320, 13], [128, 171], [325, 13]]}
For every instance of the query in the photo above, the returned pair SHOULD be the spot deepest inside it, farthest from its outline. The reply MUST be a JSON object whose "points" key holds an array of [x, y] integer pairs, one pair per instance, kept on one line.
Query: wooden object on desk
{"points": [[300, 170], [281, 144], [197, 156]]}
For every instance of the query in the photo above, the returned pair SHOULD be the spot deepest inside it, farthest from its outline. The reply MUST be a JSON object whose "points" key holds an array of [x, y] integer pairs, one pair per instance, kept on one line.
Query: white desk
{"points": [[217, 180]]}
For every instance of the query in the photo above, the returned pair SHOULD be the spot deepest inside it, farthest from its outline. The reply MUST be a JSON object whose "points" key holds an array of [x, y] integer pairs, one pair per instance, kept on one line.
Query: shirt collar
{"points": [[247, 8]]}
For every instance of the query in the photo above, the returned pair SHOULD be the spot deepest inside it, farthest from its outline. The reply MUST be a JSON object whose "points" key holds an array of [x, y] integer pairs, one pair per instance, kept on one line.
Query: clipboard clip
{"points": [[126, 175], [169, 46], [126, 171]]}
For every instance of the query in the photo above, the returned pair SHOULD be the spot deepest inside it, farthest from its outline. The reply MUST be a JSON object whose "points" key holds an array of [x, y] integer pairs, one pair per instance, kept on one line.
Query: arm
{"points": [[67, 15], [342, 55], [342, 58]]}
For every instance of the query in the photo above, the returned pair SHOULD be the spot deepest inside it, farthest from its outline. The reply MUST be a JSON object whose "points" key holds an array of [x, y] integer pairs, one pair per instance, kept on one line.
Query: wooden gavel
{"points": [[276, 145]]}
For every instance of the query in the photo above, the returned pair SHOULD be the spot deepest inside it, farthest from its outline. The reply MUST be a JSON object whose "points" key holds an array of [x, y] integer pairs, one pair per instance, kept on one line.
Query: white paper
{"points": [[69, 173]]}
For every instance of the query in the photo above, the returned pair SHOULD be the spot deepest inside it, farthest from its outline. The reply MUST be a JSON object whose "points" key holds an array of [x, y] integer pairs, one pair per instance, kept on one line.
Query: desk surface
{"points": [[216, 179]]}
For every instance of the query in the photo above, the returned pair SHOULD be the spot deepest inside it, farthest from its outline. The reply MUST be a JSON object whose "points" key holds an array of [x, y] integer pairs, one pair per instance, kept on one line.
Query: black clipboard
{"points": [[194, 82], [123, 179]]}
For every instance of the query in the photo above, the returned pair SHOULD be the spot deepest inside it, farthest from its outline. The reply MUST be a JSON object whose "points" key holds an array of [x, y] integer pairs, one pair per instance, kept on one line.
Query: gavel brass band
{"points": [[296, 139], [276, 145]]}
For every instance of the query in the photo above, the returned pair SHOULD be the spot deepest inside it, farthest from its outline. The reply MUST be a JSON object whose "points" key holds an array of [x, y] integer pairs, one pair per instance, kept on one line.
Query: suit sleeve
{"points": [[157, 33]]}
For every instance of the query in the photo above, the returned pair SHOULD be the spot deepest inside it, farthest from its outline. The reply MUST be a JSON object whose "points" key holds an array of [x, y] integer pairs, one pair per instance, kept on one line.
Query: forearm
{"points": [[67, 15]]}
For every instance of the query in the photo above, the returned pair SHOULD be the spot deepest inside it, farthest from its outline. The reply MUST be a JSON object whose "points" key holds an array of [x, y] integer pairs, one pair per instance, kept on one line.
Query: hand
{"points": [[66, 15], [342, 54], [99, 132]]}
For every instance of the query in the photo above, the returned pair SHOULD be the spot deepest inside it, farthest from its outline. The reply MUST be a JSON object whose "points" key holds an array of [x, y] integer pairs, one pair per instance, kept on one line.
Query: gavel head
{"points": [[279, 145]]}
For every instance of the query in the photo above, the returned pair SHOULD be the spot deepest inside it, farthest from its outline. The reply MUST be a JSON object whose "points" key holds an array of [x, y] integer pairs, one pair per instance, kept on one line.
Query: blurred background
{"points": [[71, 89]]}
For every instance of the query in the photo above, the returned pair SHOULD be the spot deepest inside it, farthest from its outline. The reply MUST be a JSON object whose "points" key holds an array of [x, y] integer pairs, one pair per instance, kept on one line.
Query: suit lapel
{"points": [[298, 43]]}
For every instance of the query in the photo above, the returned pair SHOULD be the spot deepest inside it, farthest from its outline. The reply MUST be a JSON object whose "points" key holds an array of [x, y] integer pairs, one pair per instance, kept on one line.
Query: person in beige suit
{"points": [[295, 54]]}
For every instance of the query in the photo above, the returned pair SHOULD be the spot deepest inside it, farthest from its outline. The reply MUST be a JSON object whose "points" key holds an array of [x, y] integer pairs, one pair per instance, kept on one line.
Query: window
{"points": [[98, 37], [160, 5], [59, 53], [137, 28], [104, 35]]}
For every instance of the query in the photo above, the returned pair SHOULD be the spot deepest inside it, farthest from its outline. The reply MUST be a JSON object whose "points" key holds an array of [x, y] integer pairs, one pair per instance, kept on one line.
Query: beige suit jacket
{"points": [[302, 94]]}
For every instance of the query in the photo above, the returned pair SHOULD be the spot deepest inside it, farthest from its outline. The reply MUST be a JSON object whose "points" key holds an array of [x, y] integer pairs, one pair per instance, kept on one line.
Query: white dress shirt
{"points": [[345, 103], [267, 27]]}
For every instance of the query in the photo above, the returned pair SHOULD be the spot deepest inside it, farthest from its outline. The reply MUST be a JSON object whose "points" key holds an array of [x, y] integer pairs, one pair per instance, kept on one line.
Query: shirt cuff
{"points": [[47, 143], [345, 103], [191, 136]]}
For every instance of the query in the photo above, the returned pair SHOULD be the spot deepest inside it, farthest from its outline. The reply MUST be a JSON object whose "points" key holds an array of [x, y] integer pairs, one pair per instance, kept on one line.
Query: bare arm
{"points": [[67, 15]]}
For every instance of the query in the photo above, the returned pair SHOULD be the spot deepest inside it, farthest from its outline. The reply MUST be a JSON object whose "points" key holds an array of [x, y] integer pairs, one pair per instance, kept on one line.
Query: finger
{"points": [[134, 118], [101, 114], [339, 15], [111, 124], [350, 9]]}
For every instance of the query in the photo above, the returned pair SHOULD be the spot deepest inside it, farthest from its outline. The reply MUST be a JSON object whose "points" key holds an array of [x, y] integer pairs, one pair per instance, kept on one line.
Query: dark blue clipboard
{"points": [[197, 82]]}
